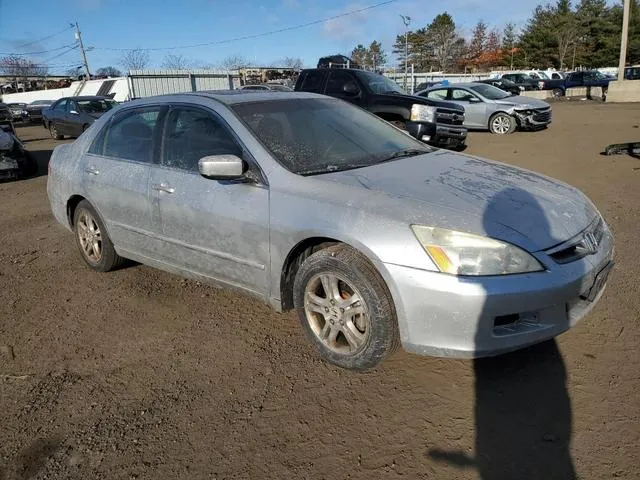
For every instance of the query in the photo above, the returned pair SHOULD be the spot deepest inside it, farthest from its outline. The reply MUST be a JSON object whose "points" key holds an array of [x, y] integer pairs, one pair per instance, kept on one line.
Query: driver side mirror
{"points": [[74, 112], [474, 100], [221, 167], [350, 89]]}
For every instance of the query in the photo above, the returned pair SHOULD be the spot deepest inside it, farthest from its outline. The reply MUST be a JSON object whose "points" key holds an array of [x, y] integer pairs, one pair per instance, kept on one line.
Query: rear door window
{"points": [[440, 94], [313, 81]]}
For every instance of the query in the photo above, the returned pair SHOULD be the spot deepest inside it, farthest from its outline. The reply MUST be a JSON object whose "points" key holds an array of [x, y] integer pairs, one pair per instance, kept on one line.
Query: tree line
{"points": [[562, 35]]}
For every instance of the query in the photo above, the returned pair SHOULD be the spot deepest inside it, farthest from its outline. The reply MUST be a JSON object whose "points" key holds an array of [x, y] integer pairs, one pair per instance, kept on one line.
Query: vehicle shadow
{"points": [[41, 159], [522, 408]]}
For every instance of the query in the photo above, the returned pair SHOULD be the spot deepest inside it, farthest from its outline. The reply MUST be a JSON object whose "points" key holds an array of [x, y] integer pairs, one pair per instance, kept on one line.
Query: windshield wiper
{"points": [[410, 152]]}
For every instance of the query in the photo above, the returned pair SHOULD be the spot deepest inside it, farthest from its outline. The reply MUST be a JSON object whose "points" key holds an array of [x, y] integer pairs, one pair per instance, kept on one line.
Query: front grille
{"points": [[542, 115], [585, 243], [449, 117]]}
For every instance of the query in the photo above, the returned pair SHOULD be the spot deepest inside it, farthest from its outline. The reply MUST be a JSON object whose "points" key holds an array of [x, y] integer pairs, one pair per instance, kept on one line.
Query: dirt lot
{"points": [[140, 374]]}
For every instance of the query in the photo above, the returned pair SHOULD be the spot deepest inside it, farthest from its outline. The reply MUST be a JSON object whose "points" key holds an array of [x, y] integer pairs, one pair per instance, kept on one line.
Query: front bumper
{"points": [[533, 120], [449, 316], [438, 134]]}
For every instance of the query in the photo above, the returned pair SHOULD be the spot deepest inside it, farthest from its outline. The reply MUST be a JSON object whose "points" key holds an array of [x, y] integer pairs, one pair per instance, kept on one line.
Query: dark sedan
{"points": [[503, 84], [17, 110], [73, 115], [34, 110], [523, 80]]}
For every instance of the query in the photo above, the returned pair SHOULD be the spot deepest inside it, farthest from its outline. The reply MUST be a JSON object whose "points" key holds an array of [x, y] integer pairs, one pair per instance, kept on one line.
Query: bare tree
{"points": [[20, 69], [233, 62], [136, 59], [108, 72], [176, 62], [293, 62]]}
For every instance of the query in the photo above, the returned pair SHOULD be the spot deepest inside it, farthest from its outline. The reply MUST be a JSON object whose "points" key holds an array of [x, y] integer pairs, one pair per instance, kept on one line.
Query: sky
{"points": [[107, 25]]}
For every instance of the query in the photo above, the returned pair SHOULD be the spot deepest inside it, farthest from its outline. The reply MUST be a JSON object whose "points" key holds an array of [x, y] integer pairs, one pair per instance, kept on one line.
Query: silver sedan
{"points": [[488, 107], [312, 204]]}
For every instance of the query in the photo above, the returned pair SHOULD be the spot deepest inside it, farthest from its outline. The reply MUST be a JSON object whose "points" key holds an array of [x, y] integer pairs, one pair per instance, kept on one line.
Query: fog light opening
{"points": [[504, 320]]}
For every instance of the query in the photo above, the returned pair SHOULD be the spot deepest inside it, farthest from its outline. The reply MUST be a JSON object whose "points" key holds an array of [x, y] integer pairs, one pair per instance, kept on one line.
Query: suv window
{"points": [[129, 135], [193, 133], [313, 81], [336, 82], [61, 105]]}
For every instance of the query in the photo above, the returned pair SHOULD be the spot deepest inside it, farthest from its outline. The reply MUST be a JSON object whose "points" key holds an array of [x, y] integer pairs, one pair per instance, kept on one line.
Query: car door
{"points": [[475, 109], [344, 85], [115, 173], [56, 116], [72, 121], [217, 229]]}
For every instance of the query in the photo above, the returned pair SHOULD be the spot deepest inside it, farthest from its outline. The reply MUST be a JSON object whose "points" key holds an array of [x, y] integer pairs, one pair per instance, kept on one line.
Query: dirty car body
{"points": [[481, 102], [477, 258]]}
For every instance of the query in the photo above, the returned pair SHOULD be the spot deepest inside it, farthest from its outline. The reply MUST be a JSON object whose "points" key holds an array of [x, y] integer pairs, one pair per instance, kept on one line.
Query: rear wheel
{"points": [[92, 239], [345, 308], [502, 124], [558, 92], [53, 131]]}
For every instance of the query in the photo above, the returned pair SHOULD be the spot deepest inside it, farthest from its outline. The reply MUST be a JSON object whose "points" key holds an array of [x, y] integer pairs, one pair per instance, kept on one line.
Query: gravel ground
{"points": [[141, 374]]}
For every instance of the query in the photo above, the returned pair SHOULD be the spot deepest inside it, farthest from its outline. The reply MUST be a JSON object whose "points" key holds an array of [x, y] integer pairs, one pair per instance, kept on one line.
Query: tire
{"points": [[502, 124], [356, 341], [53, 131], [92, 239], [558, 92]]}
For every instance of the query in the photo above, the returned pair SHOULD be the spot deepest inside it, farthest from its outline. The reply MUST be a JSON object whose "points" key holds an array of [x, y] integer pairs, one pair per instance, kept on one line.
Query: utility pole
{"points": [[406, 19], [84, 54], [623, 40]]}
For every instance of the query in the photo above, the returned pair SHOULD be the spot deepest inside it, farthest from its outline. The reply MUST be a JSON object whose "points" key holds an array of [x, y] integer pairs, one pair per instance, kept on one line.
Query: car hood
{"points": [[421, 100], [478, 196], [521, 101]]}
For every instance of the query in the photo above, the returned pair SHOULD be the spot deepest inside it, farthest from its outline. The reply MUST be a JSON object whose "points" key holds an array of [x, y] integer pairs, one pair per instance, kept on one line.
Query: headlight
{"points": [[461, 253], [423, 113]]}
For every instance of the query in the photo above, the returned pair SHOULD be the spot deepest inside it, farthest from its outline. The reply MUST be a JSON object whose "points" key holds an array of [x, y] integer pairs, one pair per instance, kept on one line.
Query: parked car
{"points": [[425, 85], [523, 80], [15, 161], [590, 78], [632, 73], [312, 204], [275, 87], [73, 115], [6, 119], [17, 111], [488, 107], [503, 84], [34, 110], [435, 122]]}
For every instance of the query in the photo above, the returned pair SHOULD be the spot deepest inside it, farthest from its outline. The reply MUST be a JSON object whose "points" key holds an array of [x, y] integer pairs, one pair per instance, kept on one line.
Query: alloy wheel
{"points": [[336, 313], [501, 125], [90, 237]]}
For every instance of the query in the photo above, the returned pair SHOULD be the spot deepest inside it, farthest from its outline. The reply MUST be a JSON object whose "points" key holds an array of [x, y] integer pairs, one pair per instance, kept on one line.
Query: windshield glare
{"points": [[380, 84], [490, 92], [314, 136]]}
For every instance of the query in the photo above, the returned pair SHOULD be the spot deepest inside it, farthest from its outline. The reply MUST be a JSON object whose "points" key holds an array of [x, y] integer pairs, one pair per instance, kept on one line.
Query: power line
{"points": [[258, 35], [60, 54], [44, 38], [36, 53]]}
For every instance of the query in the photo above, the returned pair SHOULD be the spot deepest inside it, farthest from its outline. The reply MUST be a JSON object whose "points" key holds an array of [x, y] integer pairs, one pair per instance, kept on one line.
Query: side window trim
{"points": [[247, 156]]}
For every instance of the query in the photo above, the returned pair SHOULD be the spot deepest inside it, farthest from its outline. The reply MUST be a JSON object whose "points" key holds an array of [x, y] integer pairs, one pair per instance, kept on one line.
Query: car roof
{"points": [[234, 97], [456, 85], [86, 97]]}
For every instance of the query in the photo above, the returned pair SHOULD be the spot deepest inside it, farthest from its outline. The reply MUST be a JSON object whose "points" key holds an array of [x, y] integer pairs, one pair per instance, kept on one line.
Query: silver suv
{"points": [[310, 203]]}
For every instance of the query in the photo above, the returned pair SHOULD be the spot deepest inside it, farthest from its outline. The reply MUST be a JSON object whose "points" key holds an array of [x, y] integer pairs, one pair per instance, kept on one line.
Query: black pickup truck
{"points": [[435, 122]]}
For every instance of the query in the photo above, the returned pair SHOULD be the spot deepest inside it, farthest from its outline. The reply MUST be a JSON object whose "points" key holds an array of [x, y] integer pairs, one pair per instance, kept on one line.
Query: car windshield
{"points": [[314, 136], [490, 92], [95, 106], [380, 84]]}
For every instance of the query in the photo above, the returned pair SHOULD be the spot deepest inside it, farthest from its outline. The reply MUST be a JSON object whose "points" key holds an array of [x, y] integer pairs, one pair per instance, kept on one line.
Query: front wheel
{"points": [[53, 131], [502, 124], [345, 308], [558, 92]]}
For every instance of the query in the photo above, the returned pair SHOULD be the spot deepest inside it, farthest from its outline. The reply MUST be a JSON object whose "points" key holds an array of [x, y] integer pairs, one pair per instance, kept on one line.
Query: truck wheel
{"points": [[558, 92], [345, 308], [401, 124], [502, 124]]}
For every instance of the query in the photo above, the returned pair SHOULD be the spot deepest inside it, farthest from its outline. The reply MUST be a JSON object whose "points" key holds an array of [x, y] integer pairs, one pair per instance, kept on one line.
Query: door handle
{"points": [[92, 171], [163, 187]]}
